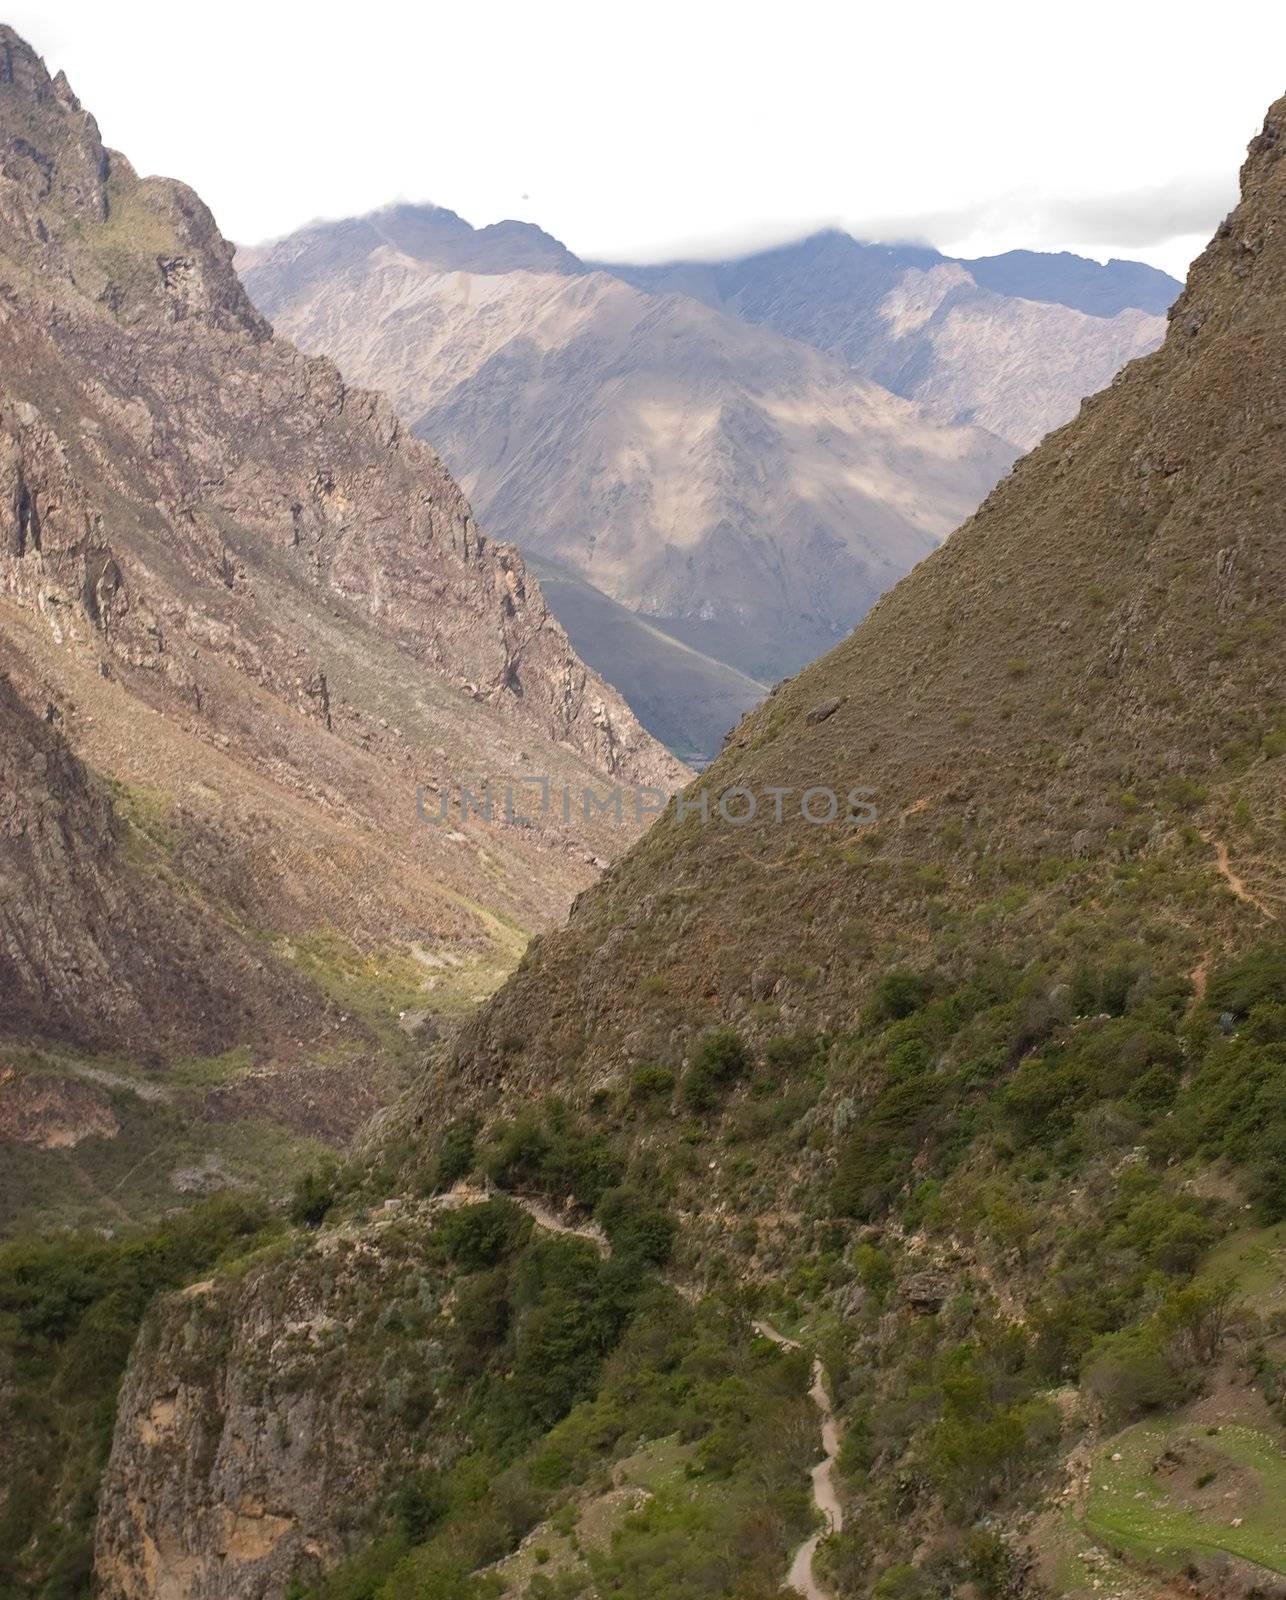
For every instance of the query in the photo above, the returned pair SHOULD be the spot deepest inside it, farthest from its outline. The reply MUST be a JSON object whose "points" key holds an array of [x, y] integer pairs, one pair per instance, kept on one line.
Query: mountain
{"points": [[942, 1141], [1025, 700], [686, 698], [1011, 343], [697, 470], [713, 446], [1064, 279], [244, 621]]}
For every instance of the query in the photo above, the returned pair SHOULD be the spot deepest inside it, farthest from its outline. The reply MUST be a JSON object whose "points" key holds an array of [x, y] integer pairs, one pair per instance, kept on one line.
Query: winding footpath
{"points": [[801, 1577]]}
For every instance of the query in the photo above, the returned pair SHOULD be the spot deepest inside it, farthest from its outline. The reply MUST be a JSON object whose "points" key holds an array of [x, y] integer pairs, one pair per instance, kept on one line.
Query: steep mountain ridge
{"points": [[240, 594], [1102, 630]]}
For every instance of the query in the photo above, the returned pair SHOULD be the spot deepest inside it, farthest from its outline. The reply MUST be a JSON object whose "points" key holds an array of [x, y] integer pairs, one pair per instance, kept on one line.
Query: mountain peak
{"points": [[21, 67], [76, 212], [1246, 259]]}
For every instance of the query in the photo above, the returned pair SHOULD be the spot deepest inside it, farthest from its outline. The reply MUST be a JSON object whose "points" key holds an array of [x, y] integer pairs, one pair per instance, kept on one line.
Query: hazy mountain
{"points": [[728, 484], [1064, 279], [1011, 342], [687, 698], [694, 468]]}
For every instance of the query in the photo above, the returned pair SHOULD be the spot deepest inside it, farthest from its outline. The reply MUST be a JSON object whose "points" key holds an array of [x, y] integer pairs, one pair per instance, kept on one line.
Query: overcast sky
{"points": [[645, 131]]}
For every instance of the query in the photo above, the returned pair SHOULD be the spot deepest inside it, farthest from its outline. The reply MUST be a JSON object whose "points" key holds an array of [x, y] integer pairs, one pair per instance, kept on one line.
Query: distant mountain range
{"points": [[1012, 343], [746, 453]]}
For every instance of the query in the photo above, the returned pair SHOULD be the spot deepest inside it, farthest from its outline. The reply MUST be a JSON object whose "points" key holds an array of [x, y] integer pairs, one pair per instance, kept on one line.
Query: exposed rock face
{"points": [[250, 1441], [244, 592], [1012, 343], [738, 485], [183, 393], [926, 1292]]}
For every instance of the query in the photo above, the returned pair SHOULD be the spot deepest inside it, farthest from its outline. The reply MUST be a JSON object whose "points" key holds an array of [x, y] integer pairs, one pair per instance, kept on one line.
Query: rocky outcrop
{"points": [[926, 1292], [264, 1421]]}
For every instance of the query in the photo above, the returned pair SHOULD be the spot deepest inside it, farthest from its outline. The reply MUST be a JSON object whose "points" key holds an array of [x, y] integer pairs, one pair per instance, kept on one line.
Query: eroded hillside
{"points": [[261, 620]]}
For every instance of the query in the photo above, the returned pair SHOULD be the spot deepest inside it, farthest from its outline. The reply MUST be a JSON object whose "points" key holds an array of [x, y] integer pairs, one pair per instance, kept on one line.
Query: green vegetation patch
{"points": [[70, 1307], [1179, 1492]]}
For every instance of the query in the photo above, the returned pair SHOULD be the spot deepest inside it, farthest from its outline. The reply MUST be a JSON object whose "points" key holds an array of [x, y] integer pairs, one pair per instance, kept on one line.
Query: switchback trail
{"points": [[801, 1576]]}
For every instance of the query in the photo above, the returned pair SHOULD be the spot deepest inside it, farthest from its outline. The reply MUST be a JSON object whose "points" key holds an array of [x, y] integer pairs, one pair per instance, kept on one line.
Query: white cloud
{"points": [[633, 131]]}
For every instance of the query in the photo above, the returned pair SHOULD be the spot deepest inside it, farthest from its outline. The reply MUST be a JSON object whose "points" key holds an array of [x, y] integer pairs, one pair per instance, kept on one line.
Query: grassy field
{"points": [[1256, 1258], [1179, 1491]]}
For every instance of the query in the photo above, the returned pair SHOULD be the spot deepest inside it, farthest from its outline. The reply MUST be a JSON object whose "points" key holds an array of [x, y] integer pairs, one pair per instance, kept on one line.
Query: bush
{"points": [[639, 1230], [419, 1503], [898, 994], [456, 1150], [552, 1155], [650, 1082], [482, 1235], [314, 1194], [720, 1059], [790, 1053], [1242, 985]]}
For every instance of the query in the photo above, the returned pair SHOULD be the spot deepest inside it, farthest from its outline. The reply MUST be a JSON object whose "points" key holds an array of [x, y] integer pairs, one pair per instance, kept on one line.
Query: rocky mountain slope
{"points": [[981, 1099], [244, 620], [690, 466], [1012, 343], [90, 952]]}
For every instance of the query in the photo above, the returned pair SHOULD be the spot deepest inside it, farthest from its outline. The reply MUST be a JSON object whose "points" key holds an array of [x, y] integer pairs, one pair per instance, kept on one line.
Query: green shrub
{"points": [[720, 1059], [546, 1152], [1131, 1372], [314, 1194], [457, 1150], [789, 1053], [898, 994], [651, 1082], [480, 1236], [639, 1229]]}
